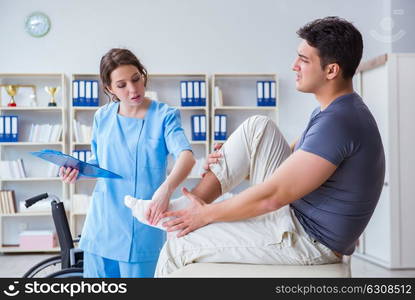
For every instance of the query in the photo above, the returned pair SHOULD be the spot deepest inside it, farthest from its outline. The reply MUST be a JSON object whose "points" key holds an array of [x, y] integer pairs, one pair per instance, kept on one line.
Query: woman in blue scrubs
{"points": [[132, 136]]}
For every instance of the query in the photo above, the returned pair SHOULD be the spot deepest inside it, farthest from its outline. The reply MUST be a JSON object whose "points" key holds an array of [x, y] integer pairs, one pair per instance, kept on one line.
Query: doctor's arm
{"points": [[300, 174], [182, 167]]}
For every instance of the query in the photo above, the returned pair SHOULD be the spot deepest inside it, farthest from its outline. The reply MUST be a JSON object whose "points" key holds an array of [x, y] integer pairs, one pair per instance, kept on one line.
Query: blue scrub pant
{"points": [[96, 266]]}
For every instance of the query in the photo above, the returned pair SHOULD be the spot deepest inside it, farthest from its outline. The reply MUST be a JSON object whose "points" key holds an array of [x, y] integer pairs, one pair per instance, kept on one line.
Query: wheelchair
{"points": [[69, 264]]}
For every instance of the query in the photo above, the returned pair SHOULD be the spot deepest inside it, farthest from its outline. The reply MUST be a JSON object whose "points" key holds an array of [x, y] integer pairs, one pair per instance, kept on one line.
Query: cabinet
{"points": [[32, 108], [386, 85]]}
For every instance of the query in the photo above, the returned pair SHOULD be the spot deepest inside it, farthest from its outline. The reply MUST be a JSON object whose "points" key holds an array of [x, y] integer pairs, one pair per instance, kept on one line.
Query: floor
{"points": [[15, 265]]}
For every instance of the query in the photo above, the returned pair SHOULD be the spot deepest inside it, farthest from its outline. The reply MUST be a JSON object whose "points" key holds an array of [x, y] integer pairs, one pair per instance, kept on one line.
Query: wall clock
{"points": [[37, 24]]}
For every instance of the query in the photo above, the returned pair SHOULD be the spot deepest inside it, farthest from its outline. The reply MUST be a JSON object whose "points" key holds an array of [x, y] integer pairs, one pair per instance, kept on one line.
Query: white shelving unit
{"points": [[84, 115], [240, 99], [386, 85], [31, 93], [239, 96]]}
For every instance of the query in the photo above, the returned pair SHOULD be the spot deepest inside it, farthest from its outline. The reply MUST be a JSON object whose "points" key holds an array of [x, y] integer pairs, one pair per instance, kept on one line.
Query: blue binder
{"points": [[202, 86], [260, 93], [75, 93], [2, 133], [85, 169], [95, 97], [183, 92]]}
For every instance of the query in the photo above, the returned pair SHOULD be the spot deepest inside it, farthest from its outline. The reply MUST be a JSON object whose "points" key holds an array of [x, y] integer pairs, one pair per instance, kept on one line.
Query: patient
{"points": [[306, 205]]}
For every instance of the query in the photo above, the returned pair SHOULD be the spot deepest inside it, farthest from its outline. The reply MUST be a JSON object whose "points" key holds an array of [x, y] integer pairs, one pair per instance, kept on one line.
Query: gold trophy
{"points": [[51, 91], [12, 91]]}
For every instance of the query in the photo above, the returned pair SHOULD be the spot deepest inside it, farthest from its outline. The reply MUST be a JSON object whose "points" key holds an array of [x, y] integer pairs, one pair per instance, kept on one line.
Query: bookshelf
{"points": [[31, 108]]}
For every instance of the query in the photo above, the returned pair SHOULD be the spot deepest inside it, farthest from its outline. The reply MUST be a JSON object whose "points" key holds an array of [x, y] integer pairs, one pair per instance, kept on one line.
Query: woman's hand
{"points": [[212, 158], [68, 175], [188, 219], [159, 204]]}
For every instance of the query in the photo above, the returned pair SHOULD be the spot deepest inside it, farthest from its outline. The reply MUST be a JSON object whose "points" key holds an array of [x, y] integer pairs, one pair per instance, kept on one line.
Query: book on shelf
{"points": [[218, 97], [45, 133], [82, 132], [7, 202], [11, 169]]}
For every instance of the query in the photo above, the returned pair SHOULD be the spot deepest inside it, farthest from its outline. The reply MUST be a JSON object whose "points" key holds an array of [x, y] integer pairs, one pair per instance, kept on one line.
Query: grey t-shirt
{"points": [[345, 134]]}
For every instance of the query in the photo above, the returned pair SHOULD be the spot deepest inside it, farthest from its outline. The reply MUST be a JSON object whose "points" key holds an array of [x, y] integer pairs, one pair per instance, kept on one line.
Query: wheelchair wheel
{"points": [[68, 273], [45, 267]]}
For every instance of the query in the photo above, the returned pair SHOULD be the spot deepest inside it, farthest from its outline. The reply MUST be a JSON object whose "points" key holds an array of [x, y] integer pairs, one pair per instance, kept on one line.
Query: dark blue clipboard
{"points": [[85, 169]]}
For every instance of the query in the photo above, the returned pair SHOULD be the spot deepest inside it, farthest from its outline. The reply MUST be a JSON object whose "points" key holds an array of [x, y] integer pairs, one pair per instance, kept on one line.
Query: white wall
{"points": [[182, 36]]}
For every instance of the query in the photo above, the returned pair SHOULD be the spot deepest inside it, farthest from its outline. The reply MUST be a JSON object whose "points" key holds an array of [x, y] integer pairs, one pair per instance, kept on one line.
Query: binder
{"points": [[14, 129], [75, 154], [81, 99], [7, 128], [223, 127], [2, 135], [95, 98], [183, 92], [260, 93], [202, 93], [273, 97], [85, 169], [81, 155], [196, 92], [75, 93], [88, 93], [266, 93], [190, 98], [196, 127], [203, 128], [217, 127]]}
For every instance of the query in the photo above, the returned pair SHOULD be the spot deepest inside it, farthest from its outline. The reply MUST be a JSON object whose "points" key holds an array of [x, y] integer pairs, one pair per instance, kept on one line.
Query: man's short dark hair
{"points": [[337, 41]]}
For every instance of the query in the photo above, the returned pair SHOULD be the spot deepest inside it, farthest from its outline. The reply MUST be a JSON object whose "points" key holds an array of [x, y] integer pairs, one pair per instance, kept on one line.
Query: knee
{"points": [[258, 122]]}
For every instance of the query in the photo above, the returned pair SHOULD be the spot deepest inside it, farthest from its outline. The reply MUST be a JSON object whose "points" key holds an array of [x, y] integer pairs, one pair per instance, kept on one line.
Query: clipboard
{"points": [[64, 160]]}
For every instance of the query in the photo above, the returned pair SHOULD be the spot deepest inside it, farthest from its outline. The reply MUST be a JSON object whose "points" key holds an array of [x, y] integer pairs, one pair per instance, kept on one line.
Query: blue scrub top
{"points": [[136, 149]]}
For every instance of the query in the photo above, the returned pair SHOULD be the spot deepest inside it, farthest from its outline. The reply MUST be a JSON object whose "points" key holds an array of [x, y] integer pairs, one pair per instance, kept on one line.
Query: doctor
{"points": [[132, 136]]}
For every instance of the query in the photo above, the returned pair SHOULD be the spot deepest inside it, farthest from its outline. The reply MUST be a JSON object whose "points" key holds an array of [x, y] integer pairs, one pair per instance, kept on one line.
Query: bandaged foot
{"points": [[139, 208]]}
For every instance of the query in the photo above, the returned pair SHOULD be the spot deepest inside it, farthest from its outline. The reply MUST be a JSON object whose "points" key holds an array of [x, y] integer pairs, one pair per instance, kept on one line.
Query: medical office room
{"points": [[214, 64]]}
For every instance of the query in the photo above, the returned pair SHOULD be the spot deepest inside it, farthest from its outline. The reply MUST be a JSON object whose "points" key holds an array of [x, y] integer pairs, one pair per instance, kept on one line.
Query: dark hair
{"points": [[113, 59], [337, 41]]}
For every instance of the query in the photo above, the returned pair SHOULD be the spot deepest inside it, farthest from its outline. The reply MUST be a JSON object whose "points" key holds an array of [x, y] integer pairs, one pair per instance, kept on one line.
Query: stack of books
{"points": [[7, 202], [11, 169], [82, 132], [45, 133]]}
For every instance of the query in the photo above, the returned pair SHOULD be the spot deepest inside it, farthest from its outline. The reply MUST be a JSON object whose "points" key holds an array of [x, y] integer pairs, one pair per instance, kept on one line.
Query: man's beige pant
{"points": [[254, 150]]}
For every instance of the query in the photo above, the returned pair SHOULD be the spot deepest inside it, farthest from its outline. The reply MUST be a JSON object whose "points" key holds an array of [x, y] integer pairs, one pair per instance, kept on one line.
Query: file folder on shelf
{"points": [[85, 169], [220, 127]]}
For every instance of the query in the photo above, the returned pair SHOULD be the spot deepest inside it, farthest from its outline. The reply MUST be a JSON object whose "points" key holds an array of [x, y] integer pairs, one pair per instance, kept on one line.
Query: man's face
{"points": [[310, 76]]}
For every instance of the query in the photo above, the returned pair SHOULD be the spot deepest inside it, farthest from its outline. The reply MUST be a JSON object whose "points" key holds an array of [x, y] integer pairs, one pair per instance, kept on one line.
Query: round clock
{"points": [[37, 24]]}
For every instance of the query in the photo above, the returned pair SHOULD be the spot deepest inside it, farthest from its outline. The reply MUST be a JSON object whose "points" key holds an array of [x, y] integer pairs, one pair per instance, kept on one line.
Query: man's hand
{"points": [[212, 158], [159, 204], [188, 219]]}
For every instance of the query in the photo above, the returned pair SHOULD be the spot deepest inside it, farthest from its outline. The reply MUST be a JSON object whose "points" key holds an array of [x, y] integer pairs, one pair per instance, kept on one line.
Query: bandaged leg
{"points": [[139, 207]]}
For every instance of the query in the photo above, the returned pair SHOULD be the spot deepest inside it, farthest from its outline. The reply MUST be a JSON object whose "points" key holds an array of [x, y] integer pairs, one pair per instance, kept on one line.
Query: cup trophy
{"points": [[11, 91], [51, 91]]}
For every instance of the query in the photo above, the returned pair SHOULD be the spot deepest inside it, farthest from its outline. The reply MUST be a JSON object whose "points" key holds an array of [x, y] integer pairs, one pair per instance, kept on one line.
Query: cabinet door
{"points": [[374, 91], [406, 123]]}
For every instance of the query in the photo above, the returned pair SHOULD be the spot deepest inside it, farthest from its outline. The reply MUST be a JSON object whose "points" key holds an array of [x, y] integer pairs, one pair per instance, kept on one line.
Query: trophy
{"points": [[12, 91], [51, 91]]}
